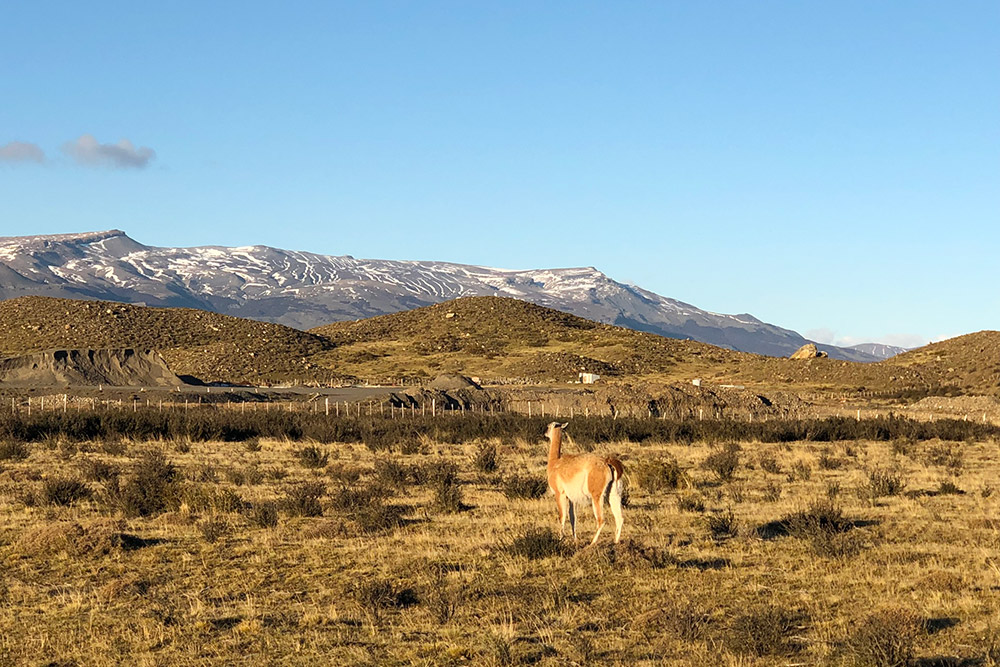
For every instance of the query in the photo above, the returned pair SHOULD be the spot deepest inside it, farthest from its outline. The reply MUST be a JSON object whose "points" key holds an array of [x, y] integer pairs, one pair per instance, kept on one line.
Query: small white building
{"points": [[589, 378]]}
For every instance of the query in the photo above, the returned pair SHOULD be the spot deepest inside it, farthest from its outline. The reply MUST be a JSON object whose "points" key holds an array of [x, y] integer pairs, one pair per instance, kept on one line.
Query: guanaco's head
{"points": [[553, 427]]}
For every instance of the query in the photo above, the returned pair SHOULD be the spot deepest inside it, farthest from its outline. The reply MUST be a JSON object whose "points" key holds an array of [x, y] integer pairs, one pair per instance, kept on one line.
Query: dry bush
{"points": [[376, 595], [252, 445], [151, 488], [827, 461], [313, 457], [684, 620], [214, 528], [487, 459], [96, 538], [344, 475], [762, 630], [691, 502], [801, 470], [63, 491], [441, 597], [523, 487], [378, 517], [628, 554], [662, 474], [536, 543], [882, 483], [823, 526], [393, 474], [96, 470], [885, 638], [768, 463], [263, 514], [722, 525], [447, 488], [14, 450], [949, 488], [303, 499], [771, 493], [948, 455], [723, 461]]}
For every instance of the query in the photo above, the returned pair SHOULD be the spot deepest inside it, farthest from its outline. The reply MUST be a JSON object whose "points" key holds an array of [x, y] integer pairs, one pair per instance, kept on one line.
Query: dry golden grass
{"points": [[202, 584]]}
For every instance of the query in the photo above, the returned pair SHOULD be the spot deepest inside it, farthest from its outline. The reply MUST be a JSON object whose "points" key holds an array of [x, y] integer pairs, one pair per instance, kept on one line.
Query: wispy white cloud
{"points": [[907, 340], [18, 152], [87, 151]]}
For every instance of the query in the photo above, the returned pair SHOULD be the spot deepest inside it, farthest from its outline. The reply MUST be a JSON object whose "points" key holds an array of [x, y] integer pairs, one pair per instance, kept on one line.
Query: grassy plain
{"points": [[278, 551]]}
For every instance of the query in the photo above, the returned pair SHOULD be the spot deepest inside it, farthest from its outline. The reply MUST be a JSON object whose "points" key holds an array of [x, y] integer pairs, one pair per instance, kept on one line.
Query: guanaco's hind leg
{"points": [[615, 500]]}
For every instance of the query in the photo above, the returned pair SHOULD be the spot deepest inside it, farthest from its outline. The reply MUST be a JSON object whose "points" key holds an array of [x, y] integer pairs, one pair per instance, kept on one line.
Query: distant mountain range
{"points": [[305, 290]]}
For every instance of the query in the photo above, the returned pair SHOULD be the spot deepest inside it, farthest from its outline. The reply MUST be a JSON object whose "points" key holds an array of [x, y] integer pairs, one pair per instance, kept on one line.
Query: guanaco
{"points": [[576, 479]]}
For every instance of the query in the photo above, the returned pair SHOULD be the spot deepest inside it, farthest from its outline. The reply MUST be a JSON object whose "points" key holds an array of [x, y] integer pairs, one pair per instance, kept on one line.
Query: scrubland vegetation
{"points": [[212, 537]]}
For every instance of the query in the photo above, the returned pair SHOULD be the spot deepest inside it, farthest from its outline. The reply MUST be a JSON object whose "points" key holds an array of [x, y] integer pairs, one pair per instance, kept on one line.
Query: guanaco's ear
{"points": [[564, 425]]}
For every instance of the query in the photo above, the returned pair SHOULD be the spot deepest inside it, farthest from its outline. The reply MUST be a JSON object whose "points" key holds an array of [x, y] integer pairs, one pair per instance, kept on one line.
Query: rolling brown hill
{"points": [[491, 337], [208, 346], [503, 337], [970, 362]]}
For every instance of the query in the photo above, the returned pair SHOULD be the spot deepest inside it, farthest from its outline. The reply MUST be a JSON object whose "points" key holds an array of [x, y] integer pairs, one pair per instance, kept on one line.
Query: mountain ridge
{"points": [[303, 290]]}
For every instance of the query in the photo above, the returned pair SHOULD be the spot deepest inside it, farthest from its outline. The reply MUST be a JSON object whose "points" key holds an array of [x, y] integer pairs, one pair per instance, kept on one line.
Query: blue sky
{"points": [[829, 167]]}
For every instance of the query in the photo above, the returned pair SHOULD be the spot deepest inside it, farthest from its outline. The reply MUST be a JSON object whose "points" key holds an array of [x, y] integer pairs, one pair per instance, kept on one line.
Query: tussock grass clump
{"points": [[537, 543], [885, 638], [722, 525], [214, 529], [630, 554], [441, 597], [151, 488], [379, 517], [344, 475], [763, 630], [252, 444], [396, 475], [523, 487], [801, 470], [313, 457], [881, 483], [827, 460], [263, 514], [948, 455], [96, 470], [64, 491], [682, 619], [823, 525], [448, 496], [14, 450], [375, 596], [487, 459], [771, 493], [691, 503], [768, 463], [662, 474], [303, 499], [948, 488], [723, 461]]}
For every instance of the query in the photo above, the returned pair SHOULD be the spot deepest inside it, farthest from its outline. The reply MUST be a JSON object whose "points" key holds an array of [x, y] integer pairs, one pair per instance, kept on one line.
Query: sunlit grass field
{"points": [[273, 551]]}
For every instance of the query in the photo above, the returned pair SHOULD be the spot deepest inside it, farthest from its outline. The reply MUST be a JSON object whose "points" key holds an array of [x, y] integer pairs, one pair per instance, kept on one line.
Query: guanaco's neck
{"points": [[555, 446]]}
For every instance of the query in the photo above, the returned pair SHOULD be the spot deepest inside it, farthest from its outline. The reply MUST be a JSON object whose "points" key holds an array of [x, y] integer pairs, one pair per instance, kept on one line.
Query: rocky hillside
{"points": [[207, 346], [970, 362], [302, 289], [490, 337], [121, 368]]}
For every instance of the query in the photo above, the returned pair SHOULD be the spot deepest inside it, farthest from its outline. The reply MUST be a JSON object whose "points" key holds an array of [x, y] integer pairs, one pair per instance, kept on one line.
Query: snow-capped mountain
{"points": [[305, 290], [879, 350]]}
